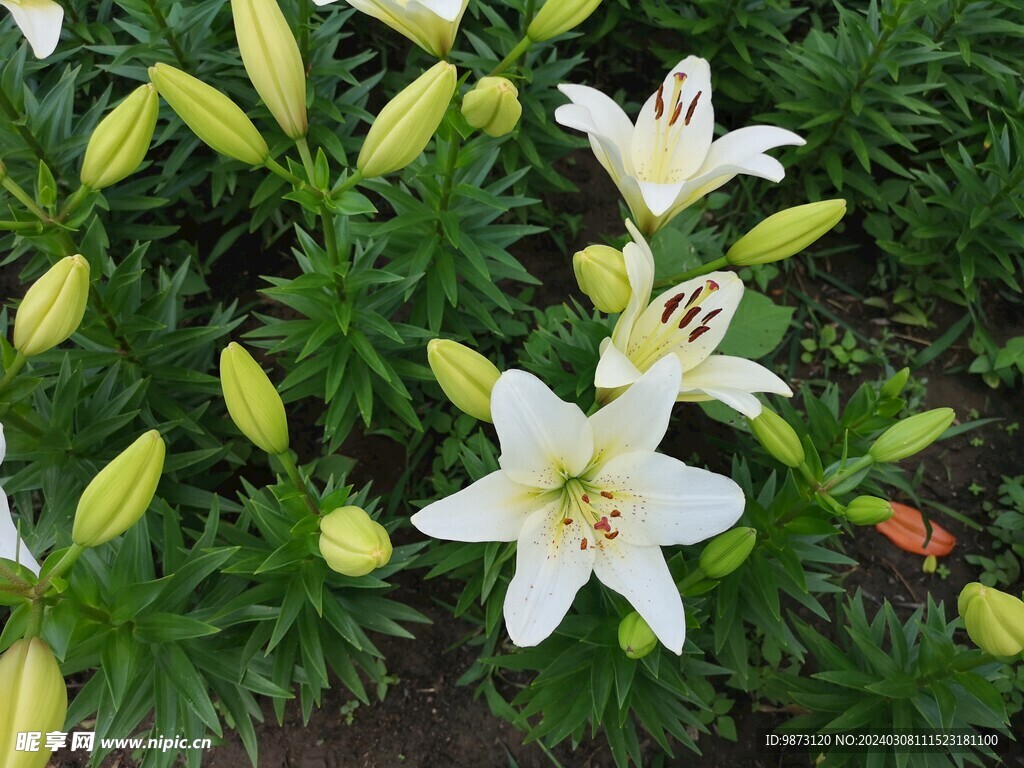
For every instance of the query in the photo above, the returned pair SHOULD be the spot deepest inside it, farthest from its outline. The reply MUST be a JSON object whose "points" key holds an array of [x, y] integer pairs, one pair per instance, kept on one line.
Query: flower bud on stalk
{"points": [[53, 307], [121, 493], [34, 699], [636, 638], [212, 116], [272, 61], [467, 377], [601, 275], [727, 552], [252, 400], [786, 233], [558, 17], [778, 437], [895, 384], [119, 143], [994, 619], [493, 106], [405, 126], [911, 435], [352, 543], [868, 510]]}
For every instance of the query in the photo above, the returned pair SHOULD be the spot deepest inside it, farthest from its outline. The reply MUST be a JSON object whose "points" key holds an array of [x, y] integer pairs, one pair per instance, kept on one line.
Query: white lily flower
{"points": [[688, 322], [584, 495], [431, 24], [39, 21], [668, 161], [11, 546]]}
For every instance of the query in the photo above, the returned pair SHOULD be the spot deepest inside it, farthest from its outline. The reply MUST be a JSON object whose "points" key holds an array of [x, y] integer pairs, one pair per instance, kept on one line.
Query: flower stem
{"points": [[293, 474], [23, 197], [10, 373], [689, 274], [521, 47], [74, 202], [35, 620], [307, 159], [21, 226], [274, 167], [862, 463], [63, 566]]}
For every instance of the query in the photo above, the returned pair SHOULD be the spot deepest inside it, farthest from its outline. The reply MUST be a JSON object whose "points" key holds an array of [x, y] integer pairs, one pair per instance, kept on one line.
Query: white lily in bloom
{"points": [[668, 161], [39, 21], [584, 495], [431, 24], [11, 546], [688, 322]]}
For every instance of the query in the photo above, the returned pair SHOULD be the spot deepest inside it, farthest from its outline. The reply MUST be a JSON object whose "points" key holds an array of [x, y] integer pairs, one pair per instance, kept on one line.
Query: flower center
{"points": [[669, 122], [593, 510], [677, 317]]}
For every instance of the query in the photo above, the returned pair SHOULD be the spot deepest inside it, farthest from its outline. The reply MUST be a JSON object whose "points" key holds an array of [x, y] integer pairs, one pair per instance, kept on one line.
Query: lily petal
{"points": [[40, 21], [493, 508], [731, 379], [551, 566], [736, 147], [594, 113], [614, 369], [639, 261], [12, 547]]}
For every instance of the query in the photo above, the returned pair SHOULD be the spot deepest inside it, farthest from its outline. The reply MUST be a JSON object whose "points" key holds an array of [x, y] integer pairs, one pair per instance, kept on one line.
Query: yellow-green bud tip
{"points": [[994, 619], [119, 143], [868, 510], [911, 435], [786, 233], [778, 438], [34, 699], [252, 400], [466, 376], [557, 17], [53, 307], [601, 275], [727, 552], [352, 543], [636, 638], [493, 106]]}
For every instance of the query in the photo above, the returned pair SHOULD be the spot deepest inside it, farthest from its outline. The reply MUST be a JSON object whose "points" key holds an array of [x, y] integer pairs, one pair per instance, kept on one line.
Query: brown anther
{"points": [[710, 316], [671, 305], [694, 295], [586, 499], [693, 106], [698, 332], [616, 513], [583, 544], [686, 319], [611, 535], [607, 494], [567, 521], [659, 102], [603, 525], [675, 114]]}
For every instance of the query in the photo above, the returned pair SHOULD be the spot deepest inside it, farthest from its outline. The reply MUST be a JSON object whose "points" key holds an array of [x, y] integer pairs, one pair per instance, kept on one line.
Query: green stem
{"points": [[293, 474], [693, 577], [448, 180], [851, 469], [7, 107], [692, 273], [307, 159], [35, 620], [521, 47], [21, 226], [23, 197], [10, 373], [63, 566], [331, 242], [172, 39], [274, 167], [305, 14], [75, 202]]}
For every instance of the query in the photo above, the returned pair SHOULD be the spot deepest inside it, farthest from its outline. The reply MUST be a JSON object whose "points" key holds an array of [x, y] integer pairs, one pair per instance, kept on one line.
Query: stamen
{"points": [[604, 525], [583, 544], [659, 103], [691, 313], [616, 513], [694, 296], [607, 494], [586, 499], [671, 305], [710, 315], [675, 114], [567, 521], [698, 332], [611, 535], [693, 106]]}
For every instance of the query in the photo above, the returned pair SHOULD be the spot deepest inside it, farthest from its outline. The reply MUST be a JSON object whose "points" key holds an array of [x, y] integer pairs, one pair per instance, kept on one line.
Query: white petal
{"points": [[39, 21], [493, 508], [661, 501], [594, 113], [449, 10], [641, 575], [738, 146], [730, 379], [11, 544], [324, 2], [639, 261], [543, 439], [637, 420], [551, 567], [660, 197], [3, 444], [614, 369], [744, 402]]}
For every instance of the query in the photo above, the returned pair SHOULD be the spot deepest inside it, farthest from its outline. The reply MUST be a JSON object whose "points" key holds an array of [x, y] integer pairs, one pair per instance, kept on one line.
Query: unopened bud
{"points": [[727, 552], [467, 377], [601, 275], [636, 638], [493, 106], [352, 543], [911, 435], [930, 564], [868, 510], [212, 116], [405, 126], [558, 17], [34, 700], [778, 437], [121, 493], [994, 619], [272, 61], [895, 384], [53, 307], [119, 143], [786, 233], [252, 400]]}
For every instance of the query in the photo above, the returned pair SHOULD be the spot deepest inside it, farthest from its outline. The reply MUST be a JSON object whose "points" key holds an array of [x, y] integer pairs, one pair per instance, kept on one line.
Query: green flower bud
{"points": [[727, 552], [493, 106], [786, 233], [636, 638], [601, 274], [911, 435], [212, 116], [352, 543], [868, 510], [405, 126], [467, 377], [119, 143], [272, 61], [35, 699], [53, 307], [994, 619], [895, 384], [252, 400], [930, 564], [558, 17], [778, 438], [121, 493]]}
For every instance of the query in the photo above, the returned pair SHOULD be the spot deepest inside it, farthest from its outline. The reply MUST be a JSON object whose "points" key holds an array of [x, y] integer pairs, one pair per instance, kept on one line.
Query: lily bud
{"points": [[53, 307], [212, 116], [727, 552], [405, 126], [786, 233], [868, 510], [252, 400], [35, 699], [895, 384], [493, 106], [636, 638], [558, 17], [994, 619], [119, 143], [121, 493], [601, 274], [467, 377], [911, 435], [272, 61], [778, 437], [930, 564], [352, 543]]}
